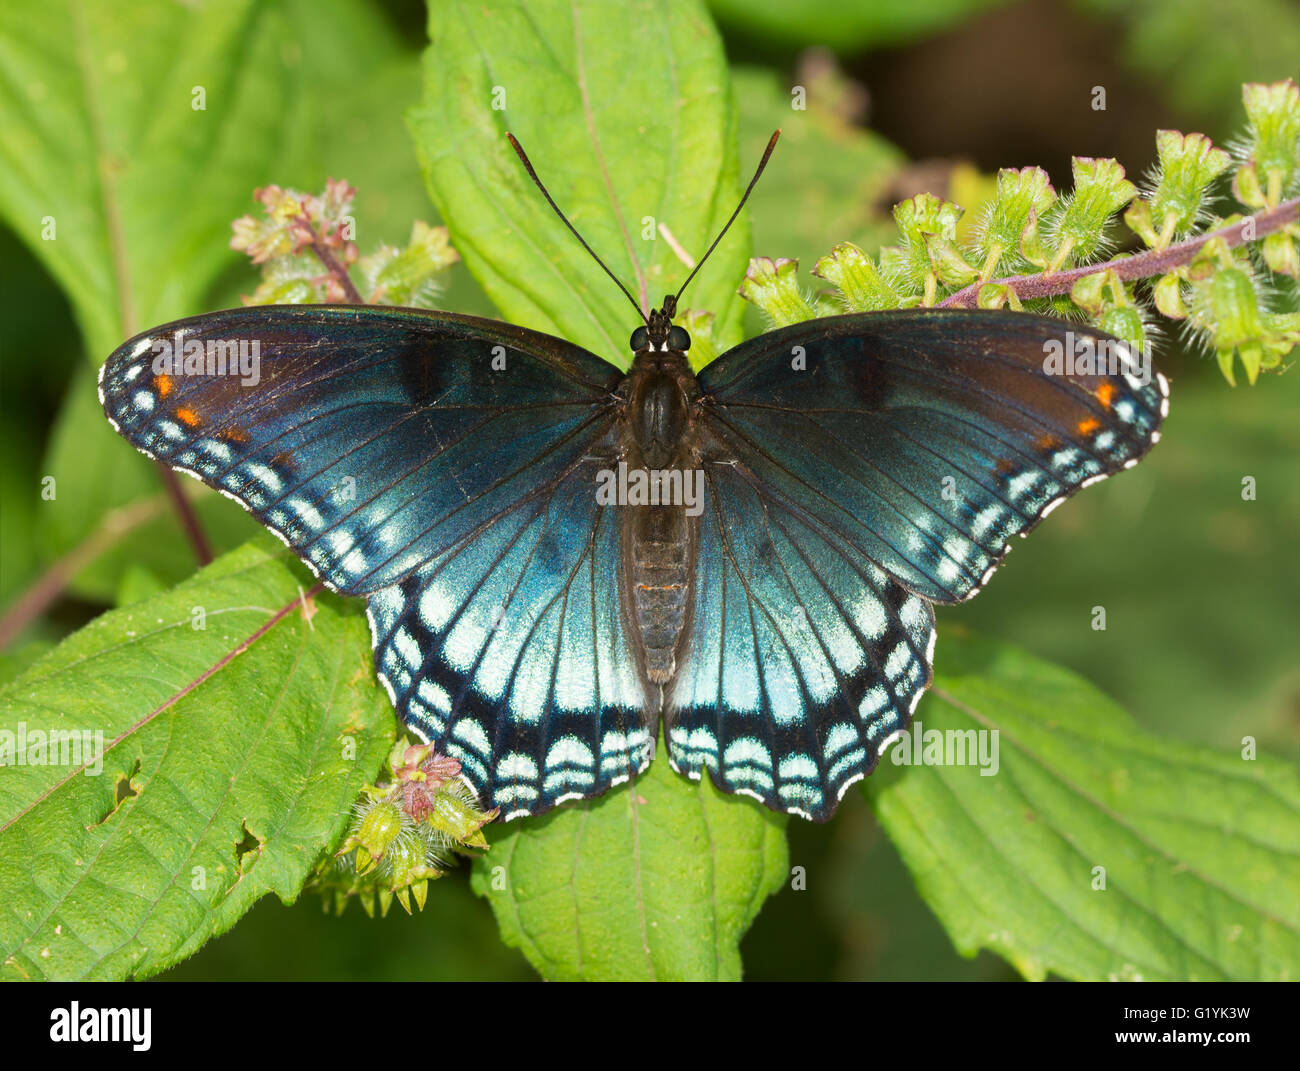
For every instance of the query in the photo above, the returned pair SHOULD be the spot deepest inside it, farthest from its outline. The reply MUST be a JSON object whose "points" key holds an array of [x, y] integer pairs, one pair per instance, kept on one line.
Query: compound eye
{"points": [[679, 339], [640, 339]]}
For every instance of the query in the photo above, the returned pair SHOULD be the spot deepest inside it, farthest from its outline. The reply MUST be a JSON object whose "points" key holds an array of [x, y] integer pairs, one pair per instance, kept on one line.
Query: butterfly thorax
{"points": [[661, 392], [660, 525]]}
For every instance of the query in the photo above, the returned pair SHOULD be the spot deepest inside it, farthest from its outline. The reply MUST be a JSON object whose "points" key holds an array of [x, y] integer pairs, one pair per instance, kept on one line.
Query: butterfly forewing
{"points": [[927, 439], [369, 440]]}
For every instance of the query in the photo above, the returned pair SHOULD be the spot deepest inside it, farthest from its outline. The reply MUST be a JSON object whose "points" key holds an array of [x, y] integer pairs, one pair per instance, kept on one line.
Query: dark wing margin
{"points": [[444, 467], [928, 438]]}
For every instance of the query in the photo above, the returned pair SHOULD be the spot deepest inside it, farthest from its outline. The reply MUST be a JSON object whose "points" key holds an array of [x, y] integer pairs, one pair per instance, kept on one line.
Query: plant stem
{"points": [[1141, 266], [189, 519], [50, 584], [331, 263]]}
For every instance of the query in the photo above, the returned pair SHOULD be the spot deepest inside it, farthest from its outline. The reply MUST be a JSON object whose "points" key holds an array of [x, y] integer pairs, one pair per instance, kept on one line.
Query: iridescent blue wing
{"points": [[509, 651], [368, 439], [430, 462], [860, 467], [805, 656]]}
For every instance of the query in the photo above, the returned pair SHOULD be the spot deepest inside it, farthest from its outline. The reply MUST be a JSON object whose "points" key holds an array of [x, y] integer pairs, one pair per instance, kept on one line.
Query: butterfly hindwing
{"points": [[804, 657], [928, 439], [529, 679]]}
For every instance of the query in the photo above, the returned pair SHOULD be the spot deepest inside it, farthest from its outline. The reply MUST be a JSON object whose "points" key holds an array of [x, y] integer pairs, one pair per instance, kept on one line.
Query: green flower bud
{"points": [[1033, 249], [1281, 256], [1021, 197], [863, 287], [1089, 293], [1138, 220], [1168, 292], [773, 287], [1100, 190], [1273, 117], [1125, 322], [374, 834], [1246, 187], [408, 276], [1188, 163], [919, 219], [947, 263], [997, 296]]}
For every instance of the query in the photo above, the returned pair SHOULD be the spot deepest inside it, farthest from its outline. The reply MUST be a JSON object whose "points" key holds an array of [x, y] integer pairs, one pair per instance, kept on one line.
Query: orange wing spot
{"points": [[1006, 466], [285, 462], [1087, 427], [1106, 394], [234, 434], [1047, 441], [188, 417], [163, 383]]}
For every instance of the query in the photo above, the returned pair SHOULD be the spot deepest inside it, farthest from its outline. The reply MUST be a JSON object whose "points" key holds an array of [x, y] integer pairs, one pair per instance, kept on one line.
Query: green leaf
{"points": [[104, 143], [846, 27], [563, 80], [231, 757], [658, 880], [828, 179], [1200, 849]]}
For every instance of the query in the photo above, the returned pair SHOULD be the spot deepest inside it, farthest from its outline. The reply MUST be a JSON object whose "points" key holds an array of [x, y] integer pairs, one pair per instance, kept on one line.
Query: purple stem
{"points": [[1142, 266], [326, 256]]}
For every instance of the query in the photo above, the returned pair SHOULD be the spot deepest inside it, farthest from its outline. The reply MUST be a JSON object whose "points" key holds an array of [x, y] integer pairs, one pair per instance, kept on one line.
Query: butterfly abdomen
{"points": [[660, 545], [659, 531]]}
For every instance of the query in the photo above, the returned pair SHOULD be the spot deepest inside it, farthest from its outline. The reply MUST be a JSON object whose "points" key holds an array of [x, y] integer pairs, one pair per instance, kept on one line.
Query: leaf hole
{"points": [[249, 848], [124, 788]]}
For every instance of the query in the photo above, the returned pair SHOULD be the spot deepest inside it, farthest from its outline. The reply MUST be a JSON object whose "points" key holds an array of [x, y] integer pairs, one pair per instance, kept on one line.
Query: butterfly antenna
{"points": [[767, 155], [528, 166]]}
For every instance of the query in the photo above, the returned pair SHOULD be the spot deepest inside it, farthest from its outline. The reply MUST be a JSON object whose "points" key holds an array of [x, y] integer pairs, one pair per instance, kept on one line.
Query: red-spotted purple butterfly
{"points": [[561, 560]]}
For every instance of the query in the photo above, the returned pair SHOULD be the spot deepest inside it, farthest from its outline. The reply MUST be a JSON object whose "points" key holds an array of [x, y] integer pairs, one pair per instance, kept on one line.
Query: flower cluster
{"points": [[405, 832], [305, 245]]}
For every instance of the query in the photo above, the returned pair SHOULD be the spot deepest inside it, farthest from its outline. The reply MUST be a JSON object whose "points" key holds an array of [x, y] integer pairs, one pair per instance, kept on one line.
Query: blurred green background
{"points": [[1201, 588]]}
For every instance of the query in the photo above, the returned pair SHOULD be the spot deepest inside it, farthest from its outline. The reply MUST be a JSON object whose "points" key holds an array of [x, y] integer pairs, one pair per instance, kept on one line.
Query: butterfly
{"points": [[561, 561]]}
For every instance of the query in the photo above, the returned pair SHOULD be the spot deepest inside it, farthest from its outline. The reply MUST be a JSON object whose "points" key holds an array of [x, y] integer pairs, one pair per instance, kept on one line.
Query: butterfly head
{"points": [[659, 333]]}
